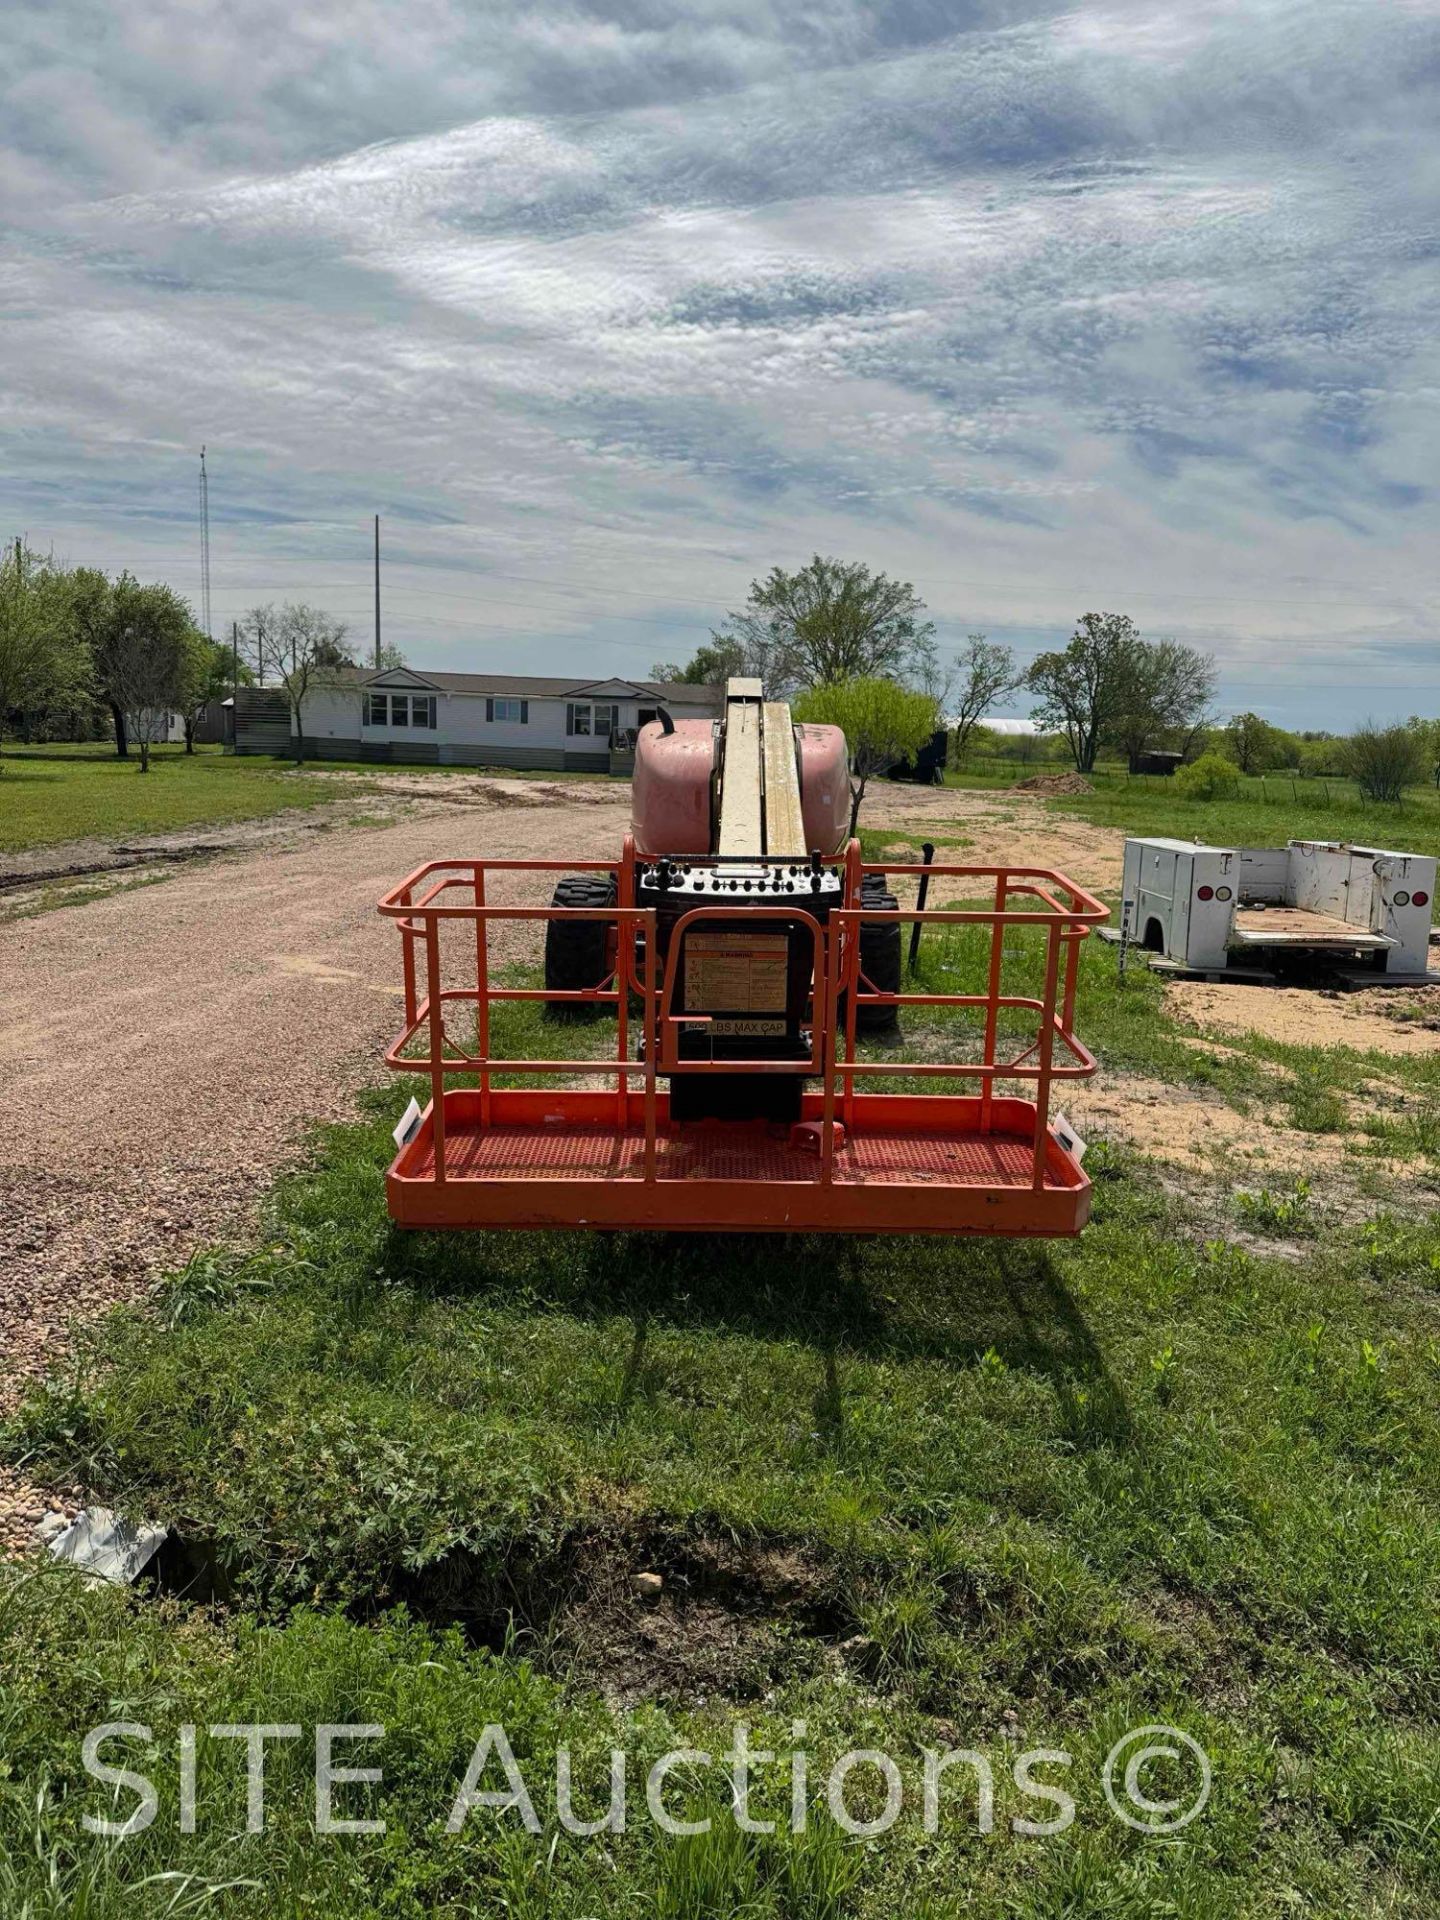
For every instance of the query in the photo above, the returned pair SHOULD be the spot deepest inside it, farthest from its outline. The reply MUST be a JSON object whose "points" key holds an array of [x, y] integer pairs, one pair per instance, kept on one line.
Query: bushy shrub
{"points": [[1211, 777], [1383, 761]]}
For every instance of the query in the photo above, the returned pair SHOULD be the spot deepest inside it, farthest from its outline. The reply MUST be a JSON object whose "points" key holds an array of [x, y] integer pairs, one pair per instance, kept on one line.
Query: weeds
{"points": [[1283, 1214]]}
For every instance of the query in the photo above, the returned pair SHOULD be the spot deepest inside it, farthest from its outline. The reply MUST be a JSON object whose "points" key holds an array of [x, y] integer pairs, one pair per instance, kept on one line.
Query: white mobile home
{"points": [[473, 719]]}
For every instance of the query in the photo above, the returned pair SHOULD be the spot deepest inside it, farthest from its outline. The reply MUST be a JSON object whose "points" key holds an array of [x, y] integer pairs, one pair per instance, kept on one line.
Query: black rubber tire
{"points": [[577, 952], [879, 958]]}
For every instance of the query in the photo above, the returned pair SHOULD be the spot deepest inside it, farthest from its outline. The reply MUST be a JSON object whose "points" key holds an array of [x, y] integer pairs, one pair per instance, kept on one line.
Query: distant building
{"points": [[164, 729], [466, 719]]}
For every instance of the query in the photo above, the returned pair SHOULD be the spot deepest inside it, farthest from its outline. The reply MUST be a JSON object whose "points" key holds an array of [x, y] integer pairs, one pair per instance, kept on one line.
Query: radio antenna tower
{"points": [[205, 545]]}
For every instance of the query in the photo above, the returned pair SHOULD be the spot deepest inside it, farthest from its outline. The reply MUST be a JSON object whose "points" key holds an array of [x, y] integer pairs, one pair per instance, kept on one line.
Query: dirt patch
{"points": [[999, 829], [1189, 1128], [1368, 1021], [1192, 1130], [728, 1620], [461, 789], [1053, 783]]}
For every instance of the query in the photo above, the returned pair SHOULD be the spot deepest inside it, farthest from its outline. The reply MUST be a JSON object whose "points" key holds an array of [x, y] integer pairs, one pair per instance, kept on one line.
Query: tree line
{"points": [[834, 622], [854, 648], [82, 653]]}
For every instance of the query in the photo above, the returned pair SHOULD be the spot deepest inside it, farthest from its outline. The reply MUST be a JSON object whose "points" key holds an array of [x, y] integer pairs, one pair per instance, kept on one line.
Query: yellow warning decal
{"points": [[735, 972]]}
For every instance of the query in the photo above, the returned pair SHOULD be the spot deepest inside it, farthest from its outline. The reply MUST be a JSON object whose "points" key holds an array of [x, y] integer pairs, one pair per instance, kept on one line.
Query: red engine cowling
{"points": [[672, 794], [670, 798], [824, 787]]}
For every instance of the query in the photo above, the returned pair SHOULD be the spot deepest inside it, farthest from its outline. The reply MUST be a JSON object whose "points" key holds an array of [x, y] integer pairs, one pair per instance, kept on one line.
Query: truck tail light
{"points": [[1205, 893], [1222, 893], [1419, 899], [1402, 899]]}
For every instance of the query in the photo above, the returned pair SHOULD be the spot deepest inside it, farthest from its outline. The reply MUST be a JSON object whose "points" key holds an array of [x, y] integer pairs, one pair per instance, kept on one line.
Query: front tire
{"points": [[879, 958], [580, 953]]}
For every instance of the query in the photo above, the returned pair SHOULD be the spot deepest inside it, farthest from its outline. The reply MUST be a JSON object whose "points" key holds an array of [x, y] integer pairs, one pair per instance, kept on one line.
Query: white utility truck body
{"points": [[1213, 907]]}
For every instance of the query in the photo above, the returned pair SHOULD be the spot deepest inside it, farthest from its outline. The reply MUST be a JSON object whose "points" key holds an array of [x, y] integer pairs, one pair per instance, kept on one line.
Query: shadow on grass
{"points": [[911, 1298]]}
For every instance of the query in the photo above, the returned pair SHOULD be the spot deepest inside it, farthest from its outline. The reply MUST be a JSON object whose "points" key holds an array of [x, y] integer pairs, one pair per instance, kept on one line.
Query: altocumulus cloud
{"points": [[608, 307]]}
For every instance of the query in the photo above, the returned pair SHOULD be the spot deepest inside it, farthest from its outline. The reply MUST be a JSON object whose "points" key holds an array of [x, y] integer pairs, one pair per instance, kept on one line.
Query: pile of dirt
{"points": [[1053, 783]]}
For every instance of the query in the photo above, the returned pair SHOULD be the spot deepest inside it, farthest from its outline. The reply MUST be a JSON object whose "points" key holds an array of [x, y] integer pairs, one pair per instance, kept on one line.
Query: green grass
{"points": [[1144, 1477], [53, 794], [1268, 811]]}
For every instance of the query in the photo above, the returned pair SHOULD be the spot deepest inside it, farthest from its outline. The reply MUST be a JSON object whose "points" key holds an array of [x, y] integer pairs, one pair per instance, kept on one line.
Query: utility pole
{"points": [[234, 686], [205, 545], [377, 593]]}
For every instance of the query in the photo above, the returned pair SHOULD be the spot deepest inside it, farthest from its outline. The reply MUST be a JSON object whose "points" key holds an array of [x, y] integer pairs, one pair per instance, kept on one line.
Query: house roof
{"points": [[528, 685]]}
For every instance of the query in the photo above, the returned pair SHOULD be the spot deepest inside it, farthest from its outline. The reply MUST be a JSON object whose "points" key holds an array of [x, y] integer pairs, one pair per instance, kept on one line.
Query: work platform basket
{"points": [[605, 1153]]}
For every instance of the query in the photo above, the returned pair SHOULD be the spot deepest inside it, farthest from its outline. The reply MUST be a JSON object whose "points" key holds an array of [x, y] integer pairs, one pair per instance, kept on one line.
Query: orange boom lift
{"points": [[743, 945]]}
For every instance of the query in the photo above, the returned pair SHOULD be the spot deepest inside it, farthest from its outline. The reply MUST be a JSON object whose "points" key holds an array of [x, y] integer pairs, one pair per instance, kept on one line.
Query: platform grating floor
{"points": [[574, 1151]]}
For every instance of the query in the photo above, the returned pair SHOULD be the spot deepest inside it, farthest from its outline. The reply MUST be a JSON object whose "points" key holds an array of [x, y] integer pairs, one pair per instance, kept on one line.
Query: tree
{"points": [[1427, 737], [330, 650], [215, 676], [41, 662], [1254, 745], [832, 621], [255, 632], [717, 661], [1172, 692], [987, 672], [92, 613], [882, 721], [154, 658], [301, 646], [1211, 777], [1322, 755], [1383, 761], [1086, 688]]}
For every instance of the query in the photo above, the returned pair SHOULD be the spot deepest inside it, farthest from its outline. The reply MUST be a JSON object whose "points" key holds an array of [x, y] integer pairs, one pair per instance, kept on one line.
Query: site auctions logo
{"points": [[864, 1776]]}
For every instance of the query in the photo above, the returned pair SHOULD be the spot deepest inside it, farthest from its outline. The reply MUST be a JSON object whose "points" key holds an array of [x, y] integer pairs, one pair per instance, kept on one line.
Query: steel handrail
{"points": [[836, 969]]}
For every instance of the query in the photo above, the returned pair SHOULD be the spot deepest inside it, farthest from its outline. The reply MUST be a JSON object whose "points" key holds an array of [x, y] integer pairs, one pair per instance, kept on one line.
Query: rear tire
{"points": [[879, 958], [579, 953]]}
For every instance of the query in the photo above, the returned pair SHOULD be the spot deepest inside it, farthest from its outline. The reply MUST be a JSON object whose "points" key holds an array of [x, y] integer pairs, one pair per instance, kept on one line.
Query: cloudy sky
{"points": [[606, 308]]}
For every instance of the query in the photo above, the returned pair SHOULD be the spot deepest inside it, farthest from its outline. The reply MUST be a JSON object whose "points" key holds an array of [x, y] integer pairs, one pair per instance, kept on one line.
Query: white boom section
{"points": [[742, 819], [784, 822], [759, 785]]}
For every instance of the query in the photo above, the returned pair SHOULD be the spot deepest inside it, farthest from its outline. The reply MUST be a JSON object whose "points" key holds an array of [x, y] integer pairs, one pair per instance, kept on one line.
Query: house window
{"points": [[515, 711], [599, 717], [400, 710]]}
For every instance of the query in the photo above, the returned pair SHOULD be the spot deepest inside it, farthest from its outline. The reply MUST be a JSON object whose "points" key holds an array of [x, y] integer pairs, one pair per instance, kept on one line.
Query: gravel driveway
{"points": [[163, 1050]]}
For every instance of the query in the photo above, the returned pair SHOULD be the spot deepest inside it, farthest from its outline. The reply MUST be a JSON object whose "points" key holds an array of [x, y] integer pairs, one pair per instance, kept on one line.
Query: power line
{"points": [[471, 579], [473, 626]]}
